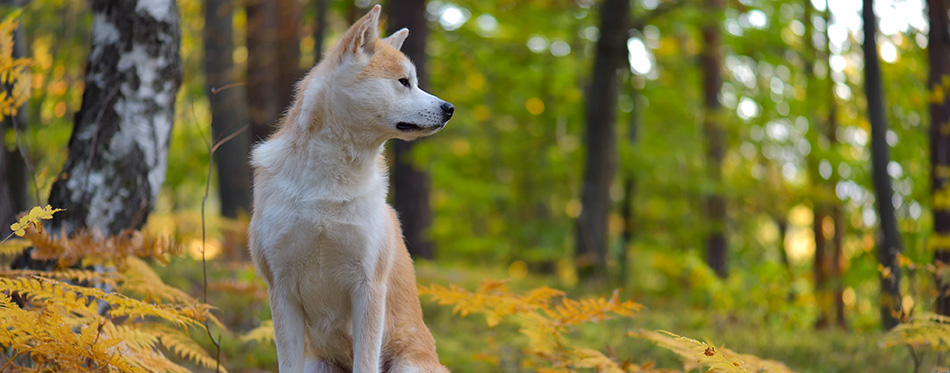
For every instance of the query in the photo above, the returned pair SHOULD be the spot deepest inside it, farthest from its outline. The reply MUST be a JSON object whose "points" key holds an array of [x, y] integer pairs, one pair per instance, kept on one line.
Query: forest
{"points": [[625, 185]]}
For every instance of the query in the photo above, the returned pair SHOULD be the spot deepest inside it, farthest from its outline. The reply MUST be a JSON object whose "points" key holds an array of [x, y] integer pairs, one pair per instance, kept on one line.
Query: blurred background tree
{"points": [[410, 180]]}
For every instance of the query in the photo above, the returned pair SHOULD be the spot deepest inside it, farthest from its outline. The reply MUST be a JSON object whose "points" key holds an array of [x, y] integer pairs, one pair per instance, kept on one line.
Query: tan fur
{"points": [[321, 234], [387, 62]]}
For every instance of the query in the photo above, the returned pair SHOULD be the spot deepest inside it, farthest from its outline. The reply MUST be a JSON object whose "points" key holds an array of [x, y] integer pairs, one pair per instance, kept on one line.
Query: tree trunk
{"points": [[228, 113], [938, 53], [837, 266], [14, 197], [821, 269], [711, 60], [288, 50], [889, 245], [353, 12], [262, 70], [8, 209], [630, 191], [591, 236], [118, 151], [837, 217], [782, 223], [824, 189], [320, 31], [411, 184]]}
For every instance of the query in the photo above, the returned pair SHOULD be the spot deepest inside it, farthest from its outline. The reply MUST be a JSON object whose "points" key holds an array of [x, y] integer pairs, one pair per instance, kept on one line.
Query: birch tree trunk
{"points": [[118, 151]]}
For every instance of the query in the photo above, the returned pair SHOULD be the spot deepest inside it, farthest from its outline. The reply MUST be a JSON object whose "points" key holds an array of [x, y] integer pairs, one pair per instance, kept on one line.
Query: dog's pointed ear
{"points": [[397, 38], [362, 36]]}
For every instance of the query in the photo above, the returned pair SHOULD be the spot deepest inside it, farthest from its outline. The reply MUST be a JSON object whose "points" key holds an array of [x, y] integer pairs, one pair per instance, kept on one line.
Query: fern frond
{"points": [[47, 290], [81, 275], [137, 336], [77, 298], [95, 248], [590, 358], [262, 334], [571, 312], [13, 247], [924, 329], [543, 315], [155, 362], [51, 336], [696, 354], [185, 348], [140, 279]]}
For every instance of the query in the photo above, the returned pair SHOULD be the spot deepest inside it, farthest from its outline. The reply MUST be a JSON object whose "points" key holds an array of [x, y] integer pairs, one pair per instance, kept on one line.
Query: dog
{"points": [[341, 283]]}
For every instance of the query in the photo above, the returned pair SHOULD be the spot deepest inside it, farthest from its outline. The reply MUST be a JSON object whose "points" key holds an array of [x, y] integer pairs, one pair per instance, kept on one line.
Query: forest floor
{"points": [[466, 344]]}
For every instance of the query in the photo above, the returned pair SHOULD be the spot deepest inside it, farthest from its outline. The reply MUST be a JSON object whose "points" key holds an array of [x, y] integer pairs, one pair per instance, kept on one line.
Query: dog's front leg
{"points": [[289, 331], [369, 313]]}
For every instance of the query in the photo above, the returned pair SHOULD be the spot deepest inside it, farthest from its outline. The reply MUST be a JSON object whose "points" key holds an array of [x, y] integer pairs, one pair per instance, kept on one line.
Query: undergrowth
{"points": [[100, 308]]}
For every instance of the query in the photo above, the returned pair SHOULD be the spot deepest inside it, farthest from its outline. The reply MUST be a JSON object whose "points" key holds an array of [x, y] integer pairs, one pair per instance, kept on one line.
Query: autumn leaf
{"points": [[31, 219]]}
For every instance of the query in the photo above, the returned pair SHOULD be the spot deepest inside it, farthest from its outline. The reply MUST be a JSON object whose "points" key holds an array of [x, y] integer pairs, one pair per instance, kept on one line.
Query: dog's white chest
{"points": [[327, 251]]}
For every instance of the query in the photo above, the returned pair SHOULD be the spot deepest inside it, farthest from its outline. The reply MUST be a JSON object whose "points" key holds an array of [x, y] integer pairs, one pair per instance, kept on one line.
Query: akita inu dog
{"points": [[341, 283]]}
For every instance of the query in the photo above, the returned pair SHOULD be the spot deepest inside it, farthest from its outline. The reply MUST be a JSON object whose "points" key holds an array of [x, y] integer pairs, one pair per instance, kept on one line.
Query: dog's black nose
{"points": [[447, 110]]}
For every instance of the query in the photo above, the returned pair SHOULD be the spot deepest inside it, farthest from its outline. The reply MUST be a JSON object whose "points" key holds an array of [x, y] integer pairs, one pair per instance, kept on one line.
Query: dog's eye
{"points": [[404, 82]]}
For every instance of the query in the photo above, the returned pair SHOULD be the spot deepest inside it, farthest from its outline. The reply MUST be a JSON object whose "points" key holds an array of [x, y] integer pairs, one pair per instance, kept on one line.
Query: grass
{"points": [[468, 345]]}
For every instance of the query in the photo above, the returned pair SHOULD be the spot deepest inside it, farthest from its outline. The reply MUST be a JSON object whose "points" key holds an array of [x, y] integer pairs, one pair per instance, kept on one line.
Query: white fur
{"points": [[321, 223]]}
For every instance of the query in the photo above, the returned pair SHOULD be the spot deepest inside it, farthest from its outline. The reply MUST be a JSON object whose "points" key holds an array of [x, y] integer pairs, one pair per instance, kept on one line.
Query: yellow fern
{"points": [[13, 247], [543, 315], [13, 71], [139, 278], [80, 275], [66, 331], [93, 248], [696, 354], [33, 218], [924, 329], [262, 334], [49, 341], [185, 347]]}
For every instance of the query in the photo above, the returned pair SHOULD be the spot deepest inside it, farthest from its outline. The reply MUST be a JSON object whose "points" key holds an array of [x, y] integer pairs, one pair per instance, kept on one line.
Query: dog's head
{"points": [[374, 86]]}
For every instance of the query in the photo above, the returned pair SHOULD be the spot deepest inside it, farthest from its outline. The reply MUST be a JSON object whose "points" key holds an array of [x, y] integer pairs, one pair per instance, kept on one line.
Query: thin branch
{"points": [[216, 90], [640, 22], [204, 262], [917, 358], [212, 147]]}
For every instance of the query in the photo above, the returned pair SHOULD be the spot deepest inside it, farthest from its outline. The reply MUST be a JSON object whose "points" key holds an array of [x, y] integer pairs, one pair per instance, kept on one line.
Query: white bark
{"points": [[118, 153]]}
